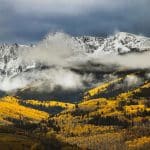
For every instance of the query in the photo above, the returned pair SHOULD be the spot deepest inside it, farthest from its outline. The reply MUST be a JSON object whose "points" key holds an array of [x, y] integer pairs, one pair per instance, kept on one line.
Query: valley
{"points": [[93, 95], [121, 121]]}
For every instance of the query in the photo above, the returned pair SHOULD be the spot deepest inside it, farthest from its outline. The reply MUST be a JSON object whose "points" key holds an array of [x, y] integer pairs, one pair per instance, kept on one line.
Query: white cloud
{"points": [[132, 81], [54, 49], [63, 7], [132, 61]]}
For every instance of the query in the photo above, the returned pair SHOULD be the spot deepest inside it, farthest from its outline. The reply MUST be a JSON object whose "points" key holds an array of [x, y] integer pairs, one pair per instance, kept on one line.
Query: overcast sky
{"points": [[29, 20]]}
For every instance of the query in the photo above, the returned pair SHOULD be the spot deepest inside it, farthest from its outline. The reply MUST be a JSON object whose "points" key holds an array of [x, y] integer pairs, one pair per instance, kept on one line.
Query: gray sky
{"points": [[29, 20]]}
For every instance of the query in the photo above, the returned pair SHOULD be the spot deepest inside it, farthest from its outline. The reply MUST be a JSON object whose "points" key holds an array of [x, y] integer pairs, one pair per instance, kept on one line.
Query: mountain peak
{"points": [[13, 64], [120, 43]]}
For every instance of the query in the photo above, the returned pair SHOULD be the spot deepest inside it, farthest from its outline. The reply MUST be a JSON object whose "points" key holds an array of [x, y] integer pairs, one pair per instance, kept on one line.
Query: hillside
{"points": [[83, 61], [11, 109], [93, 93], [93, 123]]}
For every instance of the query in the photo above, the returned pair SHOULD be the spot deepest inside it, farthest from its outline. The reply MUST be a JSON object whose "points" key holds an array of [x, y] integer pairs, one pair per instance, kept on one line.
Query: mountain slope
{"points": [[20, 74], [10, 109], [120, 43]]}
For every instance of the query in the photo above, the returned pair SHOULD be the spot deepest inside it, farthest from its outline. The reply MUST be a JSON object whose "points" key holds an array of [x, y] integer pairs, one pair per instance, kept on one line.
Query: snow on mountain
{"points": [[120, 43], [10, 60], [12, 64]]}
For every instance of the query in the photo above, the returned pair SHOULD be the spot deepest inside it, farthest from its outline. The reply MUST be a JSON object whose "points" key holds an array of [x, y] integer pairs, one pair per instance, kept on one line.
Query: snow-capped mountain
{"points": [[14, 64], [11, 61], [120, 43]]}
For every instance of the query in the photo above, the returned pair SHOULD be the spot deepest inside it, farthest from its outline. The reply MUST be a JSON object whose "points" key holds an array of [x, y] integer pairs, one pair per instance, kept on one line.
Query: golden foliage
{"points": [[100, 89], [140, 143], [10, 108], [133, 109], [131, 93], [93, 124], [50, 104]]}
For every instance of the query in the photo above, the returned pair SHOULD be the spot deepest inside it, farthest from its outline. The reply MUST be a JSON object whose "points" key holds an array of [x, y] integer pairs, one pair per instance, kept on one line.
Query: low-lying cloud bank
{"points": [[61, 54], [130, 61], [60, 49], [47, 80]]}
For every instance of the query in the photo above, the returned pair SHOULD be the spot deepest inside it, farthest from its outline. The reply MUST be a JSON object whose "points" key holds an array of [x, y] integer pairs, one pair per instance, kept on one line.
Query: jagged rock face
{"points": [[9, 59], [12, 64], [89, 44], [120, 43]]}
